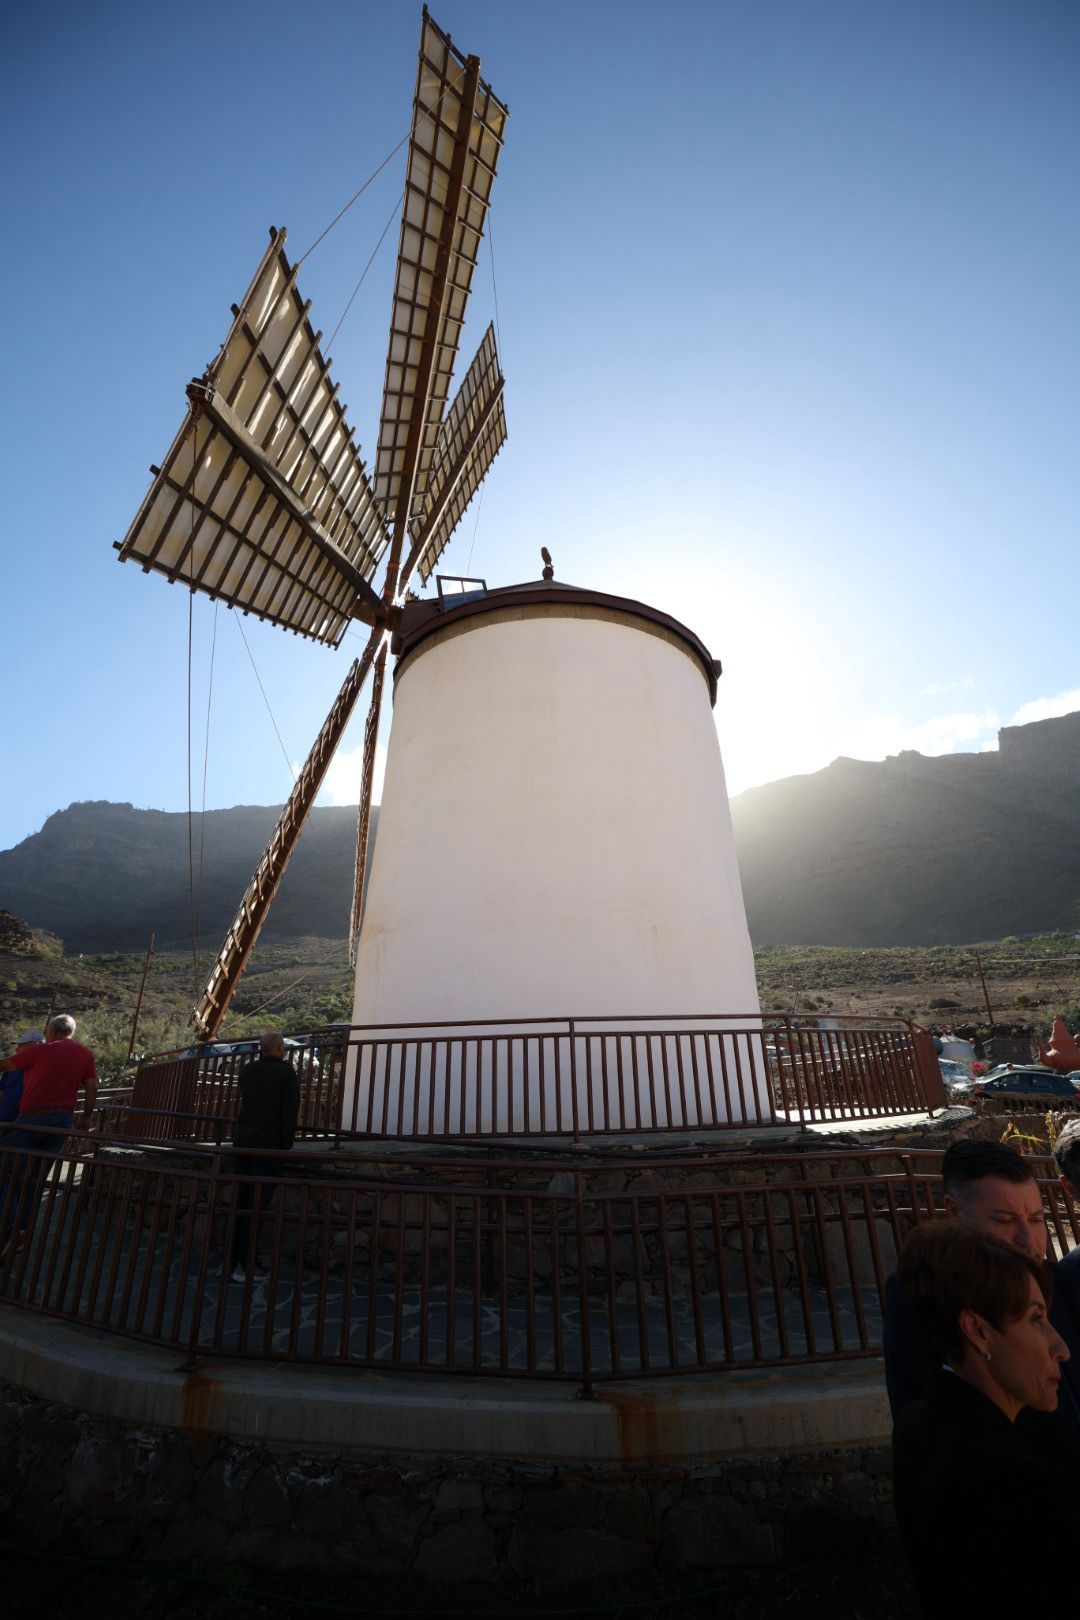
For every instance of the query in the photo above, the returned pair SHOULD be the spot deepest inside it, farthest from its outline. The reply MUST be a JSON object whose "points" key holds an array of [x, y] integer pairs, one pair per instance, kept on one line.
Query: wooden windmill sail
{"points": [[263, 500]]}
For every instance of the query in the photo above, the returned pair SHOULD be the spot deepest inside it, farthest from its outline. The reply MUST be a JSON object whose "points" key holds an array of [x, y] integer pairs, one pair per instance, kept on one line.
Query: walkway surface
{"points": [[100, 1273]]}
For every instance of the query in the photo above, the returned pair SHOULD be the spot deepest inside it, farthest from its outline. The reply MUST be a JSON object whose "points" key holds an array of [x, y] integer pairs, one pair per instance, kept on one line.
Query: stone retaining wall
{"points": [[96, 1487]]}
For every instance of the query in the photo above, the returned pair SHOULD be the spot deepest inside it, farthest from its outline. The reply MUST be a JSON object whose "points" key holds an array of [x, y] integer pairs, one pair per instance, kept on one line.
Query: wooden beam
{"points": [[204, 398], [434, 517], [429, 345], [244, 930]]}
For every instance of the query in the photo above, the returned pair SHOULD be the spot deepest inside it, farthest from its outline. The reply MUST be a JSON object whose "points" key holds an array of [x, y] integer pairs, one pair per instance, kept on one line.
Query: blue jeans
{"points": [[21, 1177]]}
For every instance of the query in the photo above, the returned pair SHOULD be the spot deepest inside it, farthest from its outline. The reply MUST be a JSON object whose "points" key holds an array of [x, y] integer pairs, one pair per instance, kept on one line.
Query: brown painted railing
{"points": [[571, 1077], [606, 1270]]}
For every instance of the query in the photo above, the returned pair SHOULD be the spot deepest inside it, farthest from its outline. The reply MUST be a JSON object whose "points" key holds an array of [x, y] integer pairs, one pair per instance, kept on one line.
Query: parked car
{"points": [[246, 1049], [957, 1079], [1036, 1084]]}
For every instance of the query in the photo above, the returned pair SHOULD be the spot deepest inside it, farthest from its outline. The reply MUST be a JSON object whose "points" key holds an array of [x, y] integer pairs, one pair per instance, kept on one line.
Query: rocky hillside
{"points": [[918, 851], [105, 876], [913, 851]]}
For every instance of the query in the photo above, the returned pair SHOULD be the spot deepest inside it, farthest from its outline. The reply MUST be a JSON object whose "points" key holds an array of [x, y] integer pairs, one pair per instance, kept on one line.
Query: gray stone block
{"points": [[460, 1552], [328, 1508], [398, 1520], [543, 1553], [100, 1478], [266, 1500], [459, 1496], [202, 1539], [630, 1515], [562, 1506], [714, 1533], [220, 1491]]}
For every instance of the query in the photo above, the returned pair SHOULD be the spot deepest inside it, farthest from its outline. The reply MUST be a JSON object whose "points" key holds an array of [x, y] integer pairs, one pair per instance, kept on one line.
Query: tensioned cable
{"points": [[205, 763], [357, 195], [190, 639], [475, 526], [375, 174], [494, 288], [367, 267], [265, 699]]}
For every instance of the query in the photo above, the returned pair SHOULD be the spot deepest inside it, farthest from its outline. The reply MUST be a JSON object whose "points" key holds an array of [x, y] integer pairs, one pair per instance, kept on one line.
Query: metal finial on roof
{"points": [[549, 572]]}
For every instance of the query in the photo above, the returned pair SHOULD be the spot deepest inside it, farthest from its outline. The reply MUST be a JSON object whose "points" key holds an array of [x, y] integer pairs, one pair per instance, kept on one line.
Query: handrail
{"points": [[575, 1278]]}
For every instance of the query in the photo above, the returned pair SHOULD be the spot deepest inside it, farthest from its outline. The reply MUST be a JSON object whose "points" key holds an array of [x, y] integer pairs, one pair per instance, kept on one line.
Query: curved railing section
{"points": [[562, 1077], [611, 1270]]}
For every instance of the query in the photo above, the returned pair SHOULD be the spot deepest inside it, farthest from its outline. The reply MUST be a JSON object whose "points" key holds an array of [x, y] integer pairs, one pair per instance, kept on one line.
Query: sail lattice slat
{"points": [[473, 433], [263, 500], [430, 286]]}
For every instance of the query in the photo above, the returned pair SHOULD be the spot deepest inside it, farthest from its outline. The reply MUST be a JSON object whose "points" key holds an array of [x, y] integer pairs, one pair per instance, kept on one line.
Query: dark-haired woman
{"points": [[983, 1524]]}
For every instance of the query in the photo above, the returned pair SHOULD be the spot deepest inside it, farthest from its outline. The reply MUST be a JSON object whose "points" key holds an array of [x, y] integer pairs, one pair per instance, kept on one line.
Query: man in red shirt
{"points": [[53, 1075]]}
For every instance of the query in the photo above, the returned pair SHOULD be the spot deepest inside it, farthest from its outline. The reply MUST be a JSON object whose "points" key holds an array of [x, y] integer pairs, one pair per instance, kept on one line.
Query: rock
{"points": [[170, 1478], [100, 1477], [117, 1539], [714, 1533], [397, 1520], [459, 1496], [630, 1515], [543, 1553], [818, 1530], [266, 1500], [265, 1548], [328, 1508], [562, 1506], [461, 1552], [503, 1498], [220, 1491], [202, 1539]]}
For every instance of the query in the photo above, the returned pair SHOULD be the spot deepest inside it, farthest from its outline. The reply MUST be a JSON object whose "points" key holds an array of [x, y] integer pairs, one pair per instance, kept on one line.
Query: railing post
{"points": [[797, 1090], [573, 1084], [587, 1392], [192, 1359]]}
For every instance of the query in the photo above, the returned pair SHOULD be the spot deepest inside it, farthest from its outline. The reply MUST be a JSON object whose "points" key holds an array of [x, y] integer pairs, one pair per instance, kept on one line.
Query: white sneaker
{"points": [[258, 1274]]}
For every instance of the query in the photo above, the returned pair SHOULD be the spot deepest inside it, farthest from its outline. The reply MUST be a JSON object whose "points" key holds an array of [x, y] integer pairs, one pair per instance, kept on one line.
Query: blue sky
{"points": [[786, 294]]}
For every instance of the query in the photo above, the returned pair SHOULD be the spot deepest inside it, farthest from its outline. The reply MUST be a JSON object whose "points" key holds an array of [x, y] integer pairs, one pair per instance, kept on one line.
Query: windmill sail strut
{"points": [[263, 500]]}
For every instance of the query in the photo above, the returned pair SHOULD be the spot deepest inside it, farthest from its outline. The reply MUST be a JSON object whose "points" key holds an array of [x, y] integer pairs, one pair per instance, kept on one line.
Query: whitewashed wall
{"points": [[554, 836]]}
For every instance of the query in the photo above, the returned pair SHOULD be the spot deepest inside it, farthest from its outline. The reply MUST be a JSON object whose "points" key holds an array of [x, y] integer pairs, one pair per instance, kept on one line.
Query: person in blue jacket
{"points": [[11, 1081]]}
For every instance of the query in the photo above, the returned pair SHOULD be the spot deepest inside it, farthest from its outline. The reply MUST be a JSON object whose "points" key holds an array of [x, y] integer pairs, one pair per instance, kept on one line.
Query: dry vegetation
{"points": [[300, 983]]}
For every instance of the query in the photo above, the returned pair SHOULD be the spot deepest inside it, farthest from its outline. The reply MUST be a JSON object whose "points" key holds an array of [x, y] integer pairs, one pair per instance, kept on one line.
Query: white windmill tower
{"points": [[554, 839], [554, 836]]}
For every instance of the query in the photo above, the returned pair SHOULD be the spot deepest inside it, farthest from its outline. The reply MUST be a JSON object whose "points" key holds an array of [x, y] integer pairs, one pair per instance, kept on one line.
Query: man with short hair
{"points": [[994, 1190], [11, 1081], [53, 1075], [266, 1119]]}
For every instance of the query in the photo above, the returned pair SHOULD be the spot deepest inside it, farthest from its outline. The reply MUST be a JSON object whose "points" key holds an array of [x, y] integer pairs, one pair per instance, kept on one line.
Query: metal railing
{"points": [[611, 1270], [567, 1077]]}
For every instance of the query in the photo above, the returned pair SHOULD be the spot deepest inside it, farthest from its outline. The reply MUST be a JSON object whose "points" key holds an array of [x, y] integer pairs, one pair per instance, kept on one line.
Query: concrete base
{"points": [[679, 1421]]}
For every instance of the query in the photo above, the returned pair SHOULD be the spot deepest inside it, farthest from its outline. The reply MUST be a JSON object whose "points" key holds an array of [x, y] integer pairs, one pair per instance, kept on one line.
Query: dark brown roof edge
{"points": [[422, 619]]}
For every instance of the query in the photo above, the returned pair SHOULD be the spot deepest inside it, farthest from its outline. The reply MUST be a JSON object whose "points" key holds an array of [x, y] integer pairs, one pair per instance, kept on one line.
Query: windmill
{"points": [[263, 501]]}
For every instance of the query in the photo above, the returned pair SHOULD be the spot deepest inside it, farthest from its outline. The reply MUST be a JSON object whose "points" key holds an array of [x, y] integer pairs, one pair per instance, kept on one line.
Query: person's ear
{"points": [[976, 1330], [952, 1208]]}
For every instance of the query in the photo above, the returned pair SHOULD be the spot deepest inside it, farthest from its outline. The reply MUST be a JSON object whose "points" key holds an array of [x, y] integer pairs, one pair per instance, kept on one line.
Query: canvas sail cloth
{"points": [[263, 500]]}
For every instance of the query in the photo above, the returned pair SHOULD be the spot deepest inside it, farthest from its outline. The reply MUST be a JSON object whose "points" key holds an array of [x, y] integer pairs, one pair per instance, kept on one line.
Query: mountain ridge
{"points": [[912, 850]]}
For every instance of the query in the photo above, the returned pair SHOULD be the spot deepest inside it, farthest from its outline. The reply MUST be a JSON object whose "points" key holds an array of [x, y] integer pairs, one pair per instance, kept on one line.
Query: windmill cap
{"points": [[30, 1037]]}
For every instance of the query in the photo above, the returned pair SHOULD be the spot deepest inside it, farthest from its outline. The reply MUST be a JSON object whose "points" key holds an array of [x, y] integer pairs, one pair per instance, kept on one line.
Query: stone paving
{"points": [[128, 1286]]}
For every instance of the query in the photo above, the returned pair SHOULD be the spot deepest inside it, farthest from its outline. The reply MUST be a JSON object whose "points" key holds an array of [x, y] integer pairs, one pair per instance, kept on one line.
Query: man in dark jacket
{"points": [[995, 1190], [266, 1119]]}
